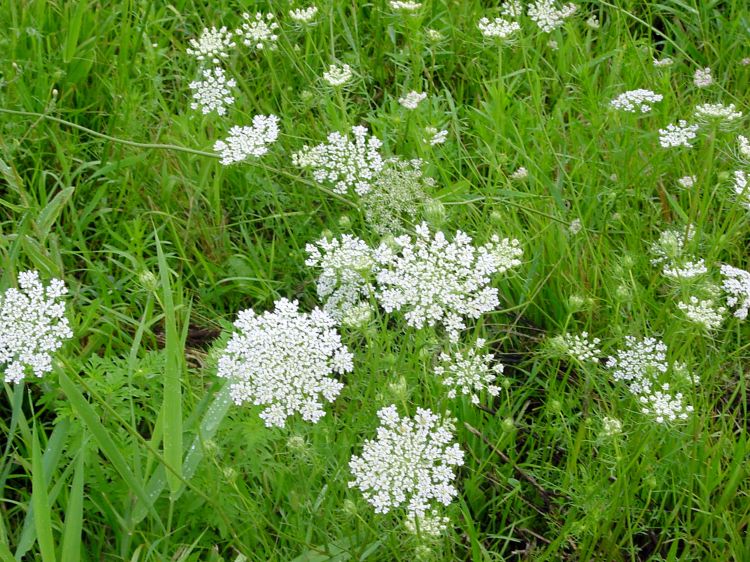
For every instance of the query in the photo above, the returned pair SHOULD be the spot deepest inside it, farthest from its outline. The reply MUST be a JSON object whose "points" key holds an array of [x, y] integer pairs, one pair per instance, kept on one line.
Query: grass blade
{"points": [[40, 502], [172, 405], [71, 546]]}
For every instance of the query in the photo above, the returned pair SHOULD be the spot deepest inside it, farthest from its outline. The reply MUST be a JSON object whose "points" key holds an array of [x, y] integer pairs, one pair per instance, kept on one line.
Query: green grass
{"points": [[131, 450]]}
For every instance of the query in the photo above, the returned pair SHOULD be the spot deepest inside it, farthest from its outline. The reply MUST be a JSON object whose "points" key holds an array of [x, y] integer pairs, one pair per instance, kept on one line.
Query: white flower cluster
{"points": [[498, 28], [669, 252], [512, 8], [717, 111], [244, 142], [431, 524], [737, 286], [32, 326], [633, 101], [702, 77], [686, 270], [686, 182], [441, 282], [520, 174], [741, 187], [469, 372], [343, 163], [212, 93], [283, 361], [213, 44], [703, 312], [338, 75], [303, 15], [744, 146], [579, 346], [548, 16], [434, 137], [258, 31], [679, 134], [346, 266], [412, 99], [593, 22], [405, 6], [662, 63], [641, 365], [411, 462], [611, 427]]}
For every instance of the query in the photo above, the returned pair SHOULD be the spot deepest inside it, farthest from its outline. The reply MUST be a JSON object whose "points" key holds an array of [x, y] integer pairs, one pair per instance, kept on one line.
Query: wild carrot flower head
{"points": [[32, 326], [346, 268], [343, 163], [717, 112], [284, 361], [736, 285], [679, 134], [213, 45], [703, 312], [410, 463], [338, 75], [304, 15], [498, 28], [512, 9], [741, 188], [578, 346], [469, 372], [405, 6], [441, 282], [244, 142], [258, 31], [744, 146], [643, 365], [702, 77], [212, 93], [548, 16], [634, 101], [434, 136], [412, 99]]}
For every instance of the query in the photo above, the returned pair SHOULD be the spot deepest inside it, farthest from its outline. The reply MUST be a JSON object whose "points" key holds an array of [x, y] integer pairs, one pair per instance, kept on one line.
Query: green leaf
{"points": [[40, 502], [71, 546], [172, 404], [51, 211]]}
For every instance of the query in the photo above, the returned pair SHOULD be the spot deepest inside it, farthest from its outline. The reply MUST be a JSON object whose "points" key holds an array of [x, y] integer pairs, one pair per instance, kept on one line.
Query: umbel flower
{"points": [[346, 266], [469, 372], [679, 134], [213, 44], [642, 365], [634, 101], [548, 16], [736, 285], [498, 28], [441, 282], [338, 75], [410, 463], [343, 163], [244, 142], [284, 361], [32, 326], [258, 31], [412, 99], [212, 93]]}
